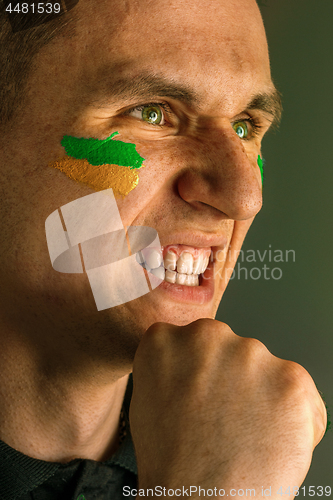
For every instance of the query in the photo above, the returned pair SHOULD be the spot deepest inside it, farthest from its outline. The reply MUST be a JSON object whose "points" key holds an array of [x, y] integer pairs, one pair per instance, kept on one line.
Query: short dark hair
{"points": [[17, 53]]}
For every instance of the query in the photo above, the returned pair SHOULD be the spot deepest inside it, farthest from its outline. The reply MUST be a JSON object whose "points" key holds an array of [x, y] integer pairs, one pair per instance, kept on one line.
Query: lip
{"points": [[201, 294], [195, 239]]}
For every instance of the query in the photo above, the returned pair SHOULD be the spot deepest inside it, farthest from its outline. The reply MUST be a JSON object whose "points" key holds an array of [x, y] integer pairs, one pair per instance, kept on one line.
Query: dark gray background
{"points": [[293, 316]]}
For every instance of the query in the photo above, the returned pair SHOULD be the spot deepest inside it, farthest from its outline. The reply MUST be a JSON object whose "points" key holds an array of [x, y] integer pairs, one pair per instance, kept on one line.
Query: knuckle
{"points": [[253, 349], [206, 331], [202, 326], [156, 328], [320, 421], [210, 324], [289, 378], [153, 340], [302, 392], [296, 377], [225, 329], [158, 332], [297, 386]]}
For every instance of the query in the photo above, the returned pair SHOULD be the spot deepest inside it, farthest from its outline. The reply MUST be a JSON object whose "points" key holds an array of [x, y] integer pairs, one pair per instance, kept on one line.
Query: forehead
{"points": [[218, 46]]}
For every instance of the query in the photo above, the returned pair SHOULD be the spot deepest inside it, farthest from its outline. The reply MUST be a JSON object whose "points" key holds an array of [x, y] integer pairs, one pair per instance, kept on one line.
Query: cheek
{"points": [[100, 164], [99, 177]]}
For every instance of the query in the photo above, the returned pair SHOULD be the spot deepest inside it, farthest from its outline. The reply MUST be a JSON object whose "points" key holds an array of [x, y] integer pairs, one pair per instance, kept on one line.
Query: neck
{"points": [[58, 414]]}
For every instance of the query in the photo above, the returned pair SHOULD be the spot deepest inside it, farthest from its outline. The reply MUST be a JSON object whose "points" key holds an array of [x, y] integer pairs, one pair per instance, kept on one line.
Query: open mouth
{"points": [[177, 264]]}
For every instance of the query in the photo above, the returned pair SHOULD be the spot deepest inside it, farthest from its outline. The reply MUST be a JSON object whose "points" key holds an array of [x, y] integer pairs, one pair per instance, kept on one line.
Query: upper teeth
{"points": [[187, 267], [152, 257], [186, 264]]}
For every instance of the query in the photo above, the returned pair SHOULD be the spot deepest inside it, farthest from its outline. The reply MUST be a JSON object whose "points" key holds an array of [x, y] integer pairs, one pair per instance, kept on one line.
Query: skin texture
{"points": [[64, 366]]}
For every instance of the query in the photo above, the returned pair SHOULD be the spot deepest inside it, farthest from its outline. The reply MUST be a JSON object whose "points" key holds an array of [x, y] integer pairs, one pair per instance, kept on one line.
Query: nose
{"points": [[223, 175]]}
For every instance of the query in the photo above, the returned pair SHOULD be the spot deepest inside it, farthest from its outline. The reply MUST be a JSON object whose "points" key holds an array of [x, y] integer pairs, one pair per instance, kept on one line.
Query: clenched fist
{"points": [[213, 409]]}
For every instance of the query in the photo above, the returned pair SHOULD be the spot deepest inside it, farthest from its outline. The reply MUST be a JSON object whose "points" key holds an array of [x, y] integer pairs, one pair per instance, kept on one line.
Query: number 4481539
{"points": [[47, 8], [312, 491]]}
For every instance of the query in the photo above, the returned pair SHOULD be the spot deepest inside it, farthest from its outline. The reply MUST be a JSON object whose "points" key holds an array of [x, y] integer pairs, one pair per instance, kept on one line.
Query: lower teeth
{"points": [[181, 279]]}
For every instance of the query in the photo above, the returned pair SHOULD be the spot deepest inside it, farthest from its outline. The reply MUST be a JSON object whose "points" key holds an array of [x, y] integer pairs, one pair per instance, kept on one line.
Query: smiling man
{"points": [[189, 84]]}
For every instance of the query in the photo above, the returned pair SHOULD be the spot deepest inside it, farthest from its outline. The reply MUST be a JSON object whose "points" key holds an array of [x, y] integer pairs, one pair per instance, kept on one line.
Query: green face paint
{"points": [[261, 162], [103, 152], [100, 164]]}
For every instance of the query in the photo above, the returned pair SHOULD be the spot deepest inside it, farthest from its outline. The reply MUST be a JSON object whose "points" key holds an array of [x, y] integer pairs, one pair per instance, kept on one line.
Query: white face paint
{"points": [[111, 256]]}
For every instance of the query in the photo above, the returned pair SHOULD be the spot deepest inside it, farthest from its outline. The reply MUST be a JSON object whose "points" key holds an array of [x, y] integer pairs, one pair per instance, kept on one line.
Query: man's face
{"points": [[200, 186]]}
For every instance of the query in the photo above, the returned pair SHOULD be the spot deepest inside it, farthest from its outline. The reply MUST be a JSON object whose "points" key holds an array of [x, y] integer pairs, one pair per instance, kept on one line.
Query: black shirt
{"points": [[26, 478]]}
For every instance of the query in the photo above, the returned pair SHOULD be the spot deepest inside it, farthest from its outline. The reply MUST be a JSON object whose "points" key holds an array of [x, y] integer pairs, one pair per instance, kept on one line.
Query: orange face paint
{"points": [[100, 164]]}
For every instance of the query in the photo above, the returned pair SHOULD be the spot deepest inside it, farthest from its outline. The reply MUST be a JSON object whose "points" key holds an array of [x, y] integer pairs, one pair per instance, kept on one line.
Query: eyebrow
{"points": [[144, 86], [269, 103], [148, 85]]}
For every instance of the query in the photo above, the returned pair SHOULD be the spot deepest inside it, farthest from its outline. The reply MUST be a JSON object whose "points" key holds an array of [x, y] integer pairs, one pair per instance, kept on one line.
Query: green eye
{"points": [[241, 129], [152, 114]]}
